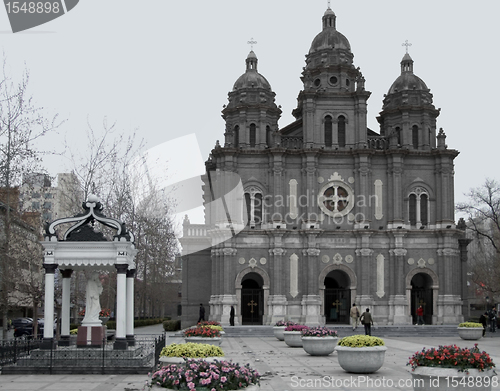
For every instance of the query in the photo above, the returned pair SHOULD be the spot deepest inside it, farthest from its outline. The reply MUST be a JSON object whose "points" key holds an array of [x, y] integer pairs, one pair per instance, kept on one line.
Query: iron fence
{"points": [[26, 356]]}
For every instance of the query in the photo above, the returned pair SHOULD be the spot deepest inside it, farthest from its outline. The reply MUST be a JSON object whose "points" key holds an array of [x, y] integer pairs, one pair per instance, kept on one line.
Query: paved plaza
{"points": [[283, 368]]}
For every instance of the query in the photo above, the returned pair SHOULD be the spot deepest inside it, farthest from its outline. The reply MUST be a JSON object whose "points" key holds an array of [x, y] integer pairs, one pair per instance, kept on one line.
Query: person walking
{"points": [[493, 320], [231, 316], [202, 313], [420, 316], [354, 316], [483, 319], [366, 319]]}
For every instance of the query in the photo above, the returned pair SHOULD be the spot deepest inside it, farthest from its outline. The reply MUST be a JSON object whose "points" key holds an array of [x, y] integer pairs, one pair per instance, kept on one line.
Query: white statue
{"points": [[92, 305]]}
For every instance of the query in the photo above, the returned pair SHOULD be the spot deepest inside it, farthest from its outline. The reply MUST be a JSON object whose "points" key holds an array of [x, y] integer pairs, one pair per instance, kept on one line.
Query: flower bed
{"points": [[452, 356], [283, 323], [361, 341], [470, 324], [319, 332], [191, 350], [296, 327], [220, 375], [208, 323], [203, 332]]}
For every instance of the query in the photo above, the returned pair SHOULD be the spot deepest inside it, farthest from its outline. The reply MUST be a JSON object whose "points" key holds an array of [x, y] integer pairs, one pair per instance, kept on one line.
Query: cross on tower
{"points": [[251, 43], [328, 3], [407, 44]]}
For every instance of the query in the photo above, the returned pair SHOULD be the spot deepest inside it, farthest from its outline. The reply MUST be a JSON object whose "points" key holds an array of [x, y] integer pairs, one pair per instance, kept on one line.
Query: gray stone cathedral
{"points": [[305, 220]]}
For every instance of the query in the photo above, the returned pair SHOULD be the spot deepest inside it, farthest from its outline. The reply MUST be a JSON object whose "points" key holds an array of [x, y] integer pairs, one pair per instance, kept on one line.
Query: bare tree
{"points": [[21, 125], [483, 225], [114, 168]]}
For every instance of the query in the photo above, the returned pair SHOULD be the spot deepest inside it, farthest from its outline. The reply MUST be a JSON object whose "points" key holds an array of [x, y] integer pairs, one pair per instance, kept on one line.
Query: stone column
{"points": [[48, 330], [311, 302], [130, 307], [121, 308], [65, 310]]}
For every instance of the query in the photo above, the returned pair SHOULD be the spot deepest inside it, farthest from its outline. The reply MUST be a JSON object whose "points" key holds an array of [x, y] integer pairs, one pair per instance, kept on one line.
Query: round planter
{"points": [[253, 387], [278, 332], [449, 379], [180, 360], [319, 346], [210, 341], [293, 338], [470, 333], [104, 319], [361, 360]]}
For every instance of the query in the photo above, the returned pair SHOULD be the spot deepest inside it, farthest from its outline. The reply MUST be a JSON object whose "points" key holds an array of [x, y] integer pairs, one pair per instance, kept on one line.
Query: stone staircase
{"points": [[346, 330]]}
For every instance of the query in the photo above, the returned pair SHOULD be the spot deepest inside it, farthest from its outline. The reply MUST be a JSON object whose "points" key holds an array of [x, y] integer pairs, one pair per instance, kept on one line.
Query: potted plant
{"points": [[448, 368], [361, 353], [319, 341], [470, 330], [202, 335], [200, 375], [279, 327], [293, 335], [178, 353]]}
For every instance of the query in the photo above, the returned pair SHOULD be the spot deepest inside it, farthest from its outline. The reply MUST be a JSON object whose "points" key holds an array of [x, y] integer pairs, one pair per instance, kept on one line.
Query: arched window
{"points": [[328, 131], [423, 209], [252, 135], [236, 136], [418, 207], [413, 209], [268, 136], [414, 136], [341, 131], [254, 207]]}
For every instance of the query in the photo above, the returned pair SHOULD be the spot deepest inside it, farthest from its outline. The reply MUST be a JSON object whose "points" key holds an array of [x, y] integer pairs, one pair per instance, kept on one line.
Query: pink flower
{"points": [[223, 379]]}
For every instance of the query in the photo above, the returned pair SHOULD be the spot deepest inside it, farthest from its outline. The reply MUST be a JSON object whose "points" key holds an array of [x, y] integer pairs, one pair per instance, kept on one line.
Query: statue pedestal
{"points": [[91, 336]]}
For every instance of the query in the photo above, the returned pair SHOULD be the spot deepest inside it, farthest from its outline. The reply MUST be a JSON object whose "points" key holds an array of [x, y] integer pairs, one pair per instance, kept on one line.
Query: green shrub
{"points": [[470, 324], [192, 350], [361, 341], [171, 325]]}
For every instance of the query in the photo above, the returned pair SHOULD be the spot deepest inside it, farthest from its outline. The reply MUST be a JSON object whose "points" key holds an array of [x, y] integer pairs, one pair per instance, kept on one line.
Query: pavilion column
{"points": [[65, 310], [121, 307], [48, 330], [130, 307]]}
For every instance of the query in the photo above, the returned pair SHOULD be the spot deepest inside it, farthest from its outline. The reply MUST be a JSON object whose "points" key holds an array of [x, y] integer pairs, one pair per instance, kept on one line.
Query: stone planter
{"points": [[253, 387], [470, 333], [361, 360], [104, 319], [319, 346], [278, 332], [211, 341], [449, 379], [293, 338]]}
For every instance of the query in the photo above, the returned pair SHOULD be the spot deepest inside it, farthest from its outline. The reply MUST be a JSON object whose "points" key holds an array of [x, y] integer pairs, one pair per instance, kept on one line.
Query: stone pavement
{"points": [[283, 368]]}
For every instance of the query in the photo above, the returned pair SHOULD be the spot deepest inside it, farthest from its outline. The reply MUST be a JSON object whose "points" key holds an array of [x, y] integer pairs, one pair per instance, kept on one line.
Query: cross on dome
{"points": [[251, 43], [407, 44]]}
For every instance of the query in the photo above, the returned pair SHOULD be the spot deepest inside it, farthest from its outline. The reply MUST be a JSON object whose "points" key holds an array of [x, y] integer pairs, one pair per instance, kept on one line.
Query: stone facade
{"points": [[305, 220]]}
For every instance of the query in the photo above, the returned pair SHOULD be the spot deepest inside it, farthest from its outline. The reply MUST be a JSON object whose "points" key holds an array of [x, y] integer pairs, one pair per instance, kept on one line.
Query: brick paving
{"points": [[283, 368]]}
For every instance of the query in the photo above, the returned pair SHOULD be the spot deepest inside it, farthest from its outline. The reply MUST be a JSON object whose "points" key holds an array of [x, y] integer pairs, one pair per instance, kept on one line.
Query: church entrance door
{"points": [[421, 295], [337, 297], [252, 299]]}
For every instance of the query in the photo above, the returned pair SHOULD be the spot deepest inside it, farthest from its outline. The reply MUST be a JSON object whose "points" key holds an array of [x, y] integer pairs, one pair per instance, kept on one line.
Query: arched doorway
{"points": [[252, 299], [421, 295], [337, 297]]}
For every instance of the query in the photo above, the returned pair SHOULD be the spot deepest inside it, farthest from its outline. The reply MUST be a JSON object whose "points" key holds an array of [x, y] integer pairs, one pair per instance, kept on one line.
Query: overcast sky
{"points": [[165, 67]]}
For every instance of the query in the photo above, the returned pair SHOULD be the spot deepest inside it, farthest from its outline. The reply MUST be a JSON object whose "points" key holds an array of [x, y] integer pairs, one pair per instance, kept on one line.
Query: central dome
{"points": [[329, 38]]}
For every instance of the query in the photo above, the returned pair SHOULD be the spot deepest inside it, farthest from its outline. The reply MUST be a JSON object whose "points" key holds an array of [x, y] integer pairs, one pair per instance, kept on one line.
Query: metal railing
{"points": [[26, 356]]}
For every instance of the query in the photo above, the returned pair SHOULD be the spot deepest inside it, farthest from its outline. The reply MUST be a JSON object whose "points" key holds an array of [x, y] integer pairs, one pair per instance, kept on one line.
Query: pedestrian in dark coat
{"points": [[202, 313], [483, 319], [366, 319], [231, 316]]}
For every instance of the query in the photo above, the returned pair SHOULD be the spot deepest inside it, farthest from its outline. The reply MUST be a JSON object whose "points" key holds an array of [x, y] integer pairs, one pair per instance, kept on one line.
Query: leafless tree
{"points": [[483, 225], [21, 125]]}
